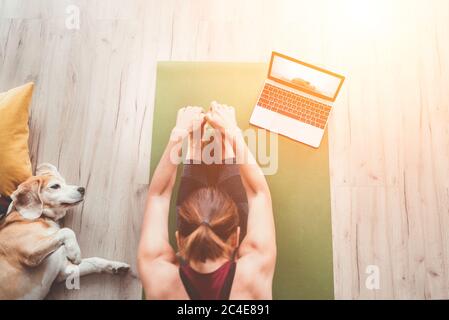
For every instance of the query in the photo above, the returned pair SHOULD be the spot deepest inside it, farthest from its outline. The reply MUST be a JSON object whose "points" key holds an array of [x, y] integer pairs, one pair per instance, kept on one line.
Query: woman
{"points": [[217, 205]]}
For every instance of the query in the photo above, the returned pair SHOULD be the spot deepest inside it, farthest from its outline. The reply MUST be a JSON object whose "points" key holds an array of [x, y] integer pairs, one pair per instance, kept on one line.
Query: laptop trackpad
{"points": [[264, 118]]}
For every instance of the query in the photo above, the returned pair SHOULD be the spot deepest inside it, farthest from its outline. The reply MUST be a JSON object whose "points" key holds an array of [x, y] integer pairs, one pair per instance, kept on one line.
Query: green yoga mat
{"points": [[300, 188]]}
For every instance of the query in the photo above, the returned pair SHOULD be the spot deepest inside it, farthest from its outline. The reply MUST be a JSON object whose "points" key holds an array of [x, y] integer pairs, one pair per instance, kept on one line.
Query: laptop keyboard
{"points": [[294, 106]]}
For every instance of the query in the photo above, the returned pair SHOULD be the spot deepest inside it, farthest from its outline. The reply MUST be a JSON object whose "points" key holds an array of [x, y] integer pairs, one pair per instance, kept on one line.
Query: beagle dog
{"points": [[34, 250]]}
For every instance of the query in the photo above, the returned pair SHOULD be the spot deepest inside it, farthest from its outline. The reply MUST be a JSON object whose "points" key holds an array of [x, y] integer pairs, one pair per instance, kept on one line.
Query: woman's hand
{"points": [[188, 120], [222, 117]]}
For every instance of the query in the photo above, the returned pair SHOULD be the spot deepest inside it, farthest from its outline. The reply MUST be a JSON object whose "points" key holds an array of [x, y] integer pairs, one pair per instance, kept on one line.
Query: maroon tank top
{"points": [[208, 286]]}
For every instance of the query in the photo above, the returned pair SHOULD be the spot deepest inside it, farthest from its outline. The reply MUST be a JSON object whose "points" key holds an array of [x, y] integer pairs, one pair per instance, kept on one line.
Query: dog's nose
{"points": [[81, 190]]}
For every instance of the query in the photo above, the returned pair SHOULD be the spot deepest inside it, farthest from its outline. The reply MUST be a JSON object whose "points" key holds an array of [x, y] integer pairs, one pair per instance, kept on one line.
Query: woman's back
{"points": [[215, 285], [249, 280]]}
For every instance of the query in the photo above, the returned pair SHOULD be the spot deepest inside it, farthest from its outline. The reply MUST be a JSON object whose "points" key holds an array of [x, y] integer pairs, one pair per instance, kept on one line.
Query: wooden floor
{"points": [[389, 134]]}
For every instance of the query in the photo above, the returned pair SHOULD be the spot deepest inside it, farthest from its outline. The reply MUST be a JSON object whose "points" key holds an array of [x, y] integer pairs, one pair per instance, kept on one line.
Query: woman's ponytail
{"points": [[208, 218]]}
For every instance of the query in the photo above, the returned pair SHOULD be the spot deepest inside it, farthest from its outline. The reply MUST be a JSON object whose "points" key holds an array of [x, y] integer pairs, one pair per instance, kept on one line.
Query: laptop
{"points": [[297, 99]]}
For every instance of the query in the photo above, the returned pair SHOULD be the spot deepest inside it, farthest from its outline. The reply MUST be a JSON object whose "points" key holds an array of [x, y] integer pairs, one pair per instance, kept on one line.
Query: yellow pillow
{"points": [[15, 165]]}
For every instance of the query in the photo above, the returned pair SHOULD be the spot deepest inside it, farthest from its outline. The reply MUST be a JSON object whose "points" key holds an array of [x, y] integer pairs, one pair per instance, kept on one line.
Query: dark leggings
{"points": [[225, 177]]}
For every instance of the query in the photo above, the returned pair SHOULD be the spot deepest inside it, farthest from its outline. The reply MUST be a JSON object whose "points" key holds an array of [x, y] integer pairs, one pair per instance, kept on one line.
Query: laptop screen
{"points": [[305, 77]]}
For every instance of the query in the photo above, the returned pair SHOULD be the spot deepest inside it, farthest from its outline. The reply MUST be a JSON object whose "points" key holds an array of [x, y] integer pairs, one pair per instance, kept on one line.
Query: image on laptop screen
{"points": [[305, 77]]}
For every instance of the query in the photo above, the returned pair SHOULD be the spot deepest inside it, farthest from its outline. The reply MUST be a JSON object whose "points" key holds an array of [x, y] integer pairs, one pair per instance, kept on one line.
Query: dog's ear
{"points": [[27, 201], [48, 169]]}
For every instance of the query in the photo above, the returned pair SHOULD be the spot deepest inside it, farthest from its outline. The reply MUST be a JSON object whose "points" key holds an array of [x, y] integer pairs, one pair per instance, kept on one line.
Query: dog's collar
{"points": [[11, 208], [8, 211]]}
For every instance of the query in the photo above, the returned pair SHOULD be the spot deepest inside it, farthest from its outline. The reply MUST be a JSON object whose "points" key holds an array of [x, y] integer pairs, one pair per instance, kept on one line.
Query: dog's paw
{"points": [[72, 248], [118, 268], [73, 253]]}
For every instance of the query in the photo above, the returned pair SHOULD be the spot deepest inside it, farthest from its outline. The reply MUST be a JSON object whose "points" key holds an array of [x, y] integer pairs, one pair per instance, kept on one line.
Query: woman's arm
{"points": [[260, 241], [154, 242], [261, 236]]}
